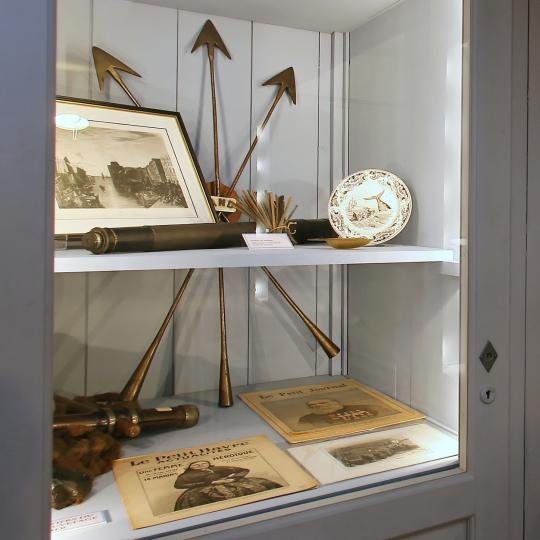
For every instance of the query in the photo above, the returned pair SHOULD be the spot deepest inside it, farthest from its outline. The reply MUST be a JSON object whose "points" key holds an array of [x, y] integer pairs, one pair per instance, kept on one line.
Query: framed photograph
{"points": [[372, 453], [323, 411], [122, 166], [166, 486]]}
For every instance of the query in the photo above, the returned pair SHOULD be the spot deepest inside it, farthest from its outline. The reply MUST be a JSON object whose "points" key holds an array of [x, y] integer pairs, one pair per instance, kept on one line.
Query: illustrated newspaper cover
{"points": [[166, 486], [322, 411], [370, 453]]}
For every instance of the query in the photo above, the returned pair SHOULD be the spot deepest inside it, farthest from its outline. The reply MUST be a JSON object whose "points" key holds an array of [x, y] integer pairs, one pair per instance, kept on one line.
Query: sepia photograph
{"points": [[370, 453], [117, 166], [362, 453], [322, 411], [163, 487]]}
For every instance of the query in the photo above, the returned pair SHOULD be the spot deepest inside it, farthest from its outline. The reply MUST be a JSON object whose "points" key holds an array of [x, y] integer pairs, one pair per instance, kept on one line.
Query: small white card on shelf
{"points": [[268, 241], [80, 521]]}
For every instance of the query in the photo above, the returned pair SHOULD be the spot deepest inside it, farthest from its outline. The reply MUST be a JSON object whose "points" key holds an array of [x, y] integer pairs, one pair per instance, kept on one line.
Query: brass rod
{"points": [[134, 385], [280, 92], [124, 87], [329, 347], [225, 388], [213, 40], [214, 119]]}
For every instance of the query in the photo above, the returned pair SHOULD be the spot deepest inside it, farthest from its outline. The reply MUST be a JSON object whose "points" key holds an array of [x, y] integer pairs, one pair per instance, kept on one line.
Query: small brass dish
{"points": [[347, 243]]}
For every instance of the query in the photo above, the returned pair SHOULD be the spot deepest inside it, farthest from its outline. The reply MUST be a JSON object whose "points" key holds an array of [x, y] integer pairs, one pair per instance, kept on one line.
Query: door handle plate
{"points": [[488, 356]]}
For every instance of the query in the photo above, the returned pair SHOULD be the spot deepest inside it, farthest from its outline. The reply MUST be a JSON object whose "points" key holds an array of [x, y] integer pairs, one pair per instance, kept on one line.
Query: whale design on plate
{"points": [[373, 204]]}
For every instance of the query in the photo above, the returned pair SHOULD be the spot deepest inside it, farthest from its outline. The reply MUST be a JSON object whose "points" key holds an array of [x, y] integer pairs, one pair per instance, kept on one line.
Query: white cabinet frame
{"points": [[489, 495], [532, 397], [27, 58]]}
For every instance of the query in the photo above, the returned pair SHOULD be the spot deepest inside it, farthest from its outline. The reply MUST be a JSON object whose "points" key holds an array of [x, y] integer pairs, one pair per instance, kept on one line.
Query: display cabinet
{"points": [[380, 84], [387, 93]]}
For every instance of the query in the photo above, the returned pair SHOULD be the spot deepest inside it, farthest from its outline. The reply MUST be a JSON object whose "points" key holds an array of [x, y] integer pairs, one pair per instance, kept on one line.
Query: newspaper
{"points": [[322, 411], [166, 486]]}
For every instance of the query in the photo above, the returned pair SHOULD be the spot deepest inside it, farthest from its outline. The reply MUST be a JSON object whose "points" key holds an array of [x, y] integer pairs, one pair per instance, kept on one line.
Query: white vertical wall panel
{"points": [[399, 339], [197, 330], [435, 366], [73, 46], [338, 169], [324, 165], [143, 37], [405, 116], [324, 182], [285, 159], [285, 162], [69, 353], [125, 309], [380, 325], [74, 22]]}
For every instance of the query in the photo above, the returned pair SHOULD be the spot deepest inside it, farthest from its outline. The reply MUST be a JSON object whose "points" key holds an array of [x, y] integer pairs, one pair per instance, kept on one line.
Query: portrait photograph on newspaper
{"points": [[322, 411], [167, 486], [370, 453]]}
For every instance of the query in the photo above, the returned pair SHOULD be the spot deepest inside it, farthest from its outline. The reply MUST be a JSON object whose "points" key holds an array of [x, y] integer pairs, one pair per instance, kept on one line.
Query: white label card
{"points": [[80, 521], [268, 241]]}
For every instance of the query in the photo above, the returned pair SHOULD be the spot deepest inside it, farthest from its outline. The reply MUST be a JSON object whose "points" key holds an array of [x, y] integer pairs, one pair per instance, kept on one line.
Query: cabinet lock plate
{"points": [[488, 356]]}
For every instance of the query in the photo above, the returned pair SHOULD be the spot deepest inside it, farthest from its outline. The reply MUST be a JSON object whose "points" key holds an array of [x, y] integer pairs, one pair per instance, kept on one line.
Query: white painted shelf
{"points": [[217, 424], [84, 261]]}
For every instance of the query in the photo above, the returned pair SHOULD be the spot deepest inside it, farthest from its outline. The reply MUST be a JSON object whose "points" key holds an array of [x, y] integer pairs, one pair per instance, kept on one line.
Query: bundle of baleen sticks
{"points": [[266, 209]]}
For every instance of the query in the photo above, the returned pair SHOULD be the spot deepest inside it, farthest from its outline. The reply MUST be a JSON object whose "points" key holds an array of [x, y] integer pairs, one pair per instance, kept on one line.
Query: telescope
{"points": [[127, 420]]}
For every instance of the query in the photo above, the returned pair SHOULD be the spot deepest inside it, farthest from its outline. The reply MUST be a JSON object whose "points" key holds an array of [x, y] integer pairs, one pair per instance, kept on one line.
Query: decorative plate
{"points": [[375, 204]]}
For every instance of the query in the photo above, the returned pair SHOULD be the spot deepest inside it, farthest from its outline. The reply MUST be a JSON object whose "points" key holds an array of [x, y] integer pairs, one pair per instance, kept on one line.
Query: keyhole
{"points": [[487, 395]]}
